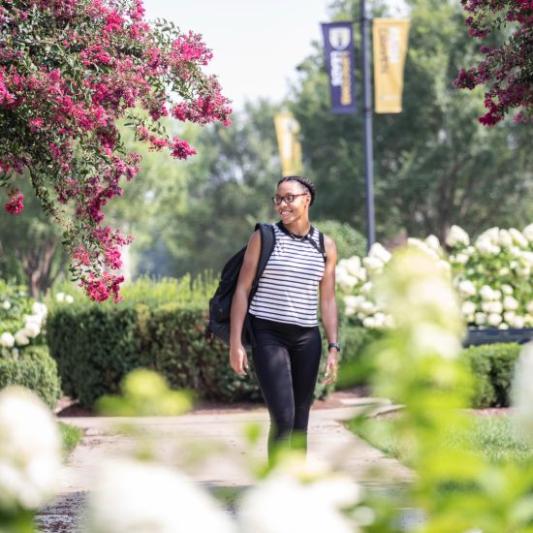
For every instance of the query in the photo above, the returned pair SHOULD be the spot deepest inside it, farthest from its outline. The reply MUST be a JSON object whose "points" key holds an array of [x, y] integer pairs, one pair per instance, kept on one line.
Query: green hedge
{"points": [[492, 366], [34, 369], [95, 346]]}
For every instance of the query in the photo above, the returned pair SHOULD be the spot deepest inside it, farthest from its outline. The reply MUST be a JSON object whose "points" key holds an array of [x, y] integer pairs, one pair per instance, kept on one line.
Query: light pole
{"points": [[367, 113]]}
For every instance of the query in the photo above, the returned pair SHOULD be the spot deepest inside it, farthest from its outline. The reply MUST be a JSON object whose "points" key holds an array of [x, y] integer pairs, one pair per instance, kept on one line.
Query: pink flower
{"points": [[112, 258], [36, 124], [181, 149], [82, 255], [15, 204], [114, 22]]}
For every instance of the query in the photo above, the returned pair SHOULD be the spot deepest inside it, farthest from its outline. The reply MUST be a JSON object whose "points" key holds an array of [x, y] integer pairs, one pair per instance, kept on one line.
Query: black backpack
{"points": [[220, 304]]}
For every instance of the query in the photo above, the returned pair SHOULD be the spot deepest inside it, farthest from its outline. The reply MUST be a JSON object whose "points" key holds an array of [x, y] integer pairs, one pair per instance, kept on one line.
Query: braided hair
{"points": [[306, 182]]}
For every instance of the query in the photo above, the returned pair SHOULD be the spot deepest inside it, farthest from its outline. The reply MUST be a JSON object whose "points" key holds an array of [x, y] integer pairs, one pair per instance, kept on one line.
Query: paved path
{"points": [[180, 440]]}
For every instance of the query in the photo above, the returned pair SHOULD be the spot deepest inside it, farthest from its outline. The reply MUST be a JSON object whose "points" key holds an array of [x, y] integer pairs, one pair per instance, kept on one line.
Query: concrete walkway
{"points": [[181, 441]]}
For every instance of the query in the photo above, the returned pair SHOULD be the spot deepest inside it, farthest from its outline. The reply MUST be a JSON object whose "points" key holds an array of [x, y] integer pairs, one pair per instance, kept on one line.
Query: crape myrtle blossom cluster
{"points": [[492, 276], [68, 72], [506, 69]]}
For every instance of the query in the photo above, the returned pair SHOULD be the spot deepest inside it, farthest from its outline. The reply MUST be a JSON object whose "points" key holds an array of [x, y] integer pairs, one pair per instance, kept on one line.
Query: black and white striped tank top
{"points": [[288, 288]]}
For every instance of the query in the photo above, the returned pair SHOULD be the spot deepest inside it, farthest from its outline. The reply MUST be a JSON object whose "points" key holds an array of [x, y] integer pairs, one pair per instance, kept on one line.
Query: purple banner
{"points": [[340, 65]]}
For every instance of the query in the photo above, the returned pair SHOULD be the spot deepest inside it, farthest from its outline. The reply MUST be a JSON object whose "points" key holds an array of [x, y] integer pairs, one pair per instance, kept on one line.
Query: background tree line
{"points": [[435, 165]]}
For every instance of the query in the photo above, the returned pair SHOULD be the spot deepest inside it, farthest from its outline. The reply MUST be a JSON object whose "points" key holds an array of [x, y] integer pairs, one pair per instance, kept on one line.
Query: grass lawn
{"points": [[490, 434], [70, 436]]}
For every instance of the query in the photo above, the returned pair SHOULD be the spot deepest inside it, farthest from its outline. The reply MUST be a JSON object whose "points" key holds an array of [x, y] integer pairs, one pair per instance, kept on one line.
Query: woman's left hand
{"points": [[331, 367]]}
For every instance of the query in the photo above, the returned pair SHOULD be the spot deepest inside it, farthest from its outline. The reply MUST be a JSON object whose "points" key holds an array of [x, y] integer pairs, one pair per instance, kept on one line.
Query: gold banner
{"points": [[290, 150], [390, 48]]}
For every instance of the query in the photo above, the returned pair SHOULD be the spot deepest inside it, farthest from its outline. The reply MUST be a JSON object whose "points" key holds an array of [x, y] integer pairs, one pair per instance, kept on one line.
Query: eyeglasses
{"points": [[289, 198]]}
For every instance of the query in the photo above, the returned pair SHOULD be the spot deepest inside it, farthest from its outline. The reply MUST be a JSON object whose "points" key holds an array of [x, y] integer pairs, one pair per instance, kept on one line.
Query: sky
{"points": [[257, 44]]}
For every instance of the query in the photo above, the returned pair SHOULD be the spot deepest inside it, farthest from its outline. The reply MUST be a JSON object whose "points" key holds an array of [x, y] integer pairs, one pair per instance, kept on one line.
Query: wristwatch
{"points": [[335, 345]]}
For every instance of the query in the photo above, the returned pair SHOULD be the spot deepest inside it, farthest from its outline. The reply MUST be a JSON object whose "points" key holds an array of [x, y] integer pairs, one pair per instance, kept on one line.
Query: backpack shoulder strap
{"points": [[320, 247], [268, 241]]}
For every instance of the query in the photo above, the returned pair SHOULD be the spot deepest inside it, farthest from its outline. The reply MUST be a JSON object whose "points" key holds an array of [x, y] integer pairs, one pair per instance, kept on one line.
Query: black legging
{"points": [[286, 358]]}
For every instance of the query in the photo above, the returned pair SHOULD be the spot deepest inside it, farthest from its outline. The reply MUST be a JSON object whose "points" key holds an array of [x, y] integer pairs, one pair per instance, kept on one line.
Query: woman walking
{"points": [[287, 344]]}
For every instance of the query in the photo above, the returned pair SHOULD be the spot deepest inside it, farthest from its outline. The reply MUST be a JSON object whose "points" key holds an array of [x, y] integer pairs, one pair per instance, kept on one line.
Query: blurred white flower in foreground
{"points": [[141, 497], [522, 392], [30, 450], [291, 500]]}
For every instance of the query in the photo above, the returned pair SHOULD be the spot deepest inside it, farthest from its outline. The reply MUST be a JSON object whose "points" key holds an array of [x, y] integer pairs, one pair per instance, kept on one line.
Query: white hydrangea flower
{"points": [[468, 308], [467, 288], [30, 450], [31, 330], [529, 307], [369, 322], [504, 271], [354, 268], [509, 316], [457, 236], [510, 303], [518, 238], [6, 304], [507, 289], [380, 320], [486, 247], [69, 299], [492, 307], [367, 307], [527, 257], [524, 271], [373, 264], [486, 293], [345, 280], [505, 239], [460, 258], [281, 504], [39, 309], [433, 242], [528, 232], [366, 288], [379, 252], [150, 498], [60, 297], [7, 340], [21, 339], [492, 235], [518, 322], [480, 319], [352, 303], [503, 325], [494, 319]]}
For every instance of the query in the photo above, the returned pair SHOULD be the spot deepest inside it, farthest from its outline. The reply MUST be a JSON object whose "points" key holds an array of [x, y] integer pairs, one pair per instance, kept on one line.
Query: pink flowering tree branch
{"points": [[507, 68], [69, 70]]}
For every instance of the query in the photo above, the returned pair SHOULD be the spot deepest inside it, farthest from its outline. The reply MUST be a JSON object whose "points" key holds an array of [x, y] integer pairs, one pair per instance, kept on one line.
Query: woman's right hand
{"points": [[238, 359]]}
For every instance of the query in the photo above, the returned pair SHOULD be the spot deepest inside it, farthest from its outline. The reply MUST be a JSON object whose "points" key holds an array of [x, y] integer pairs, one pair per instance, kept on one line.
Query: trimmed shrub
{"points": [[34, 369], [97, 345], [492, 366]]}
